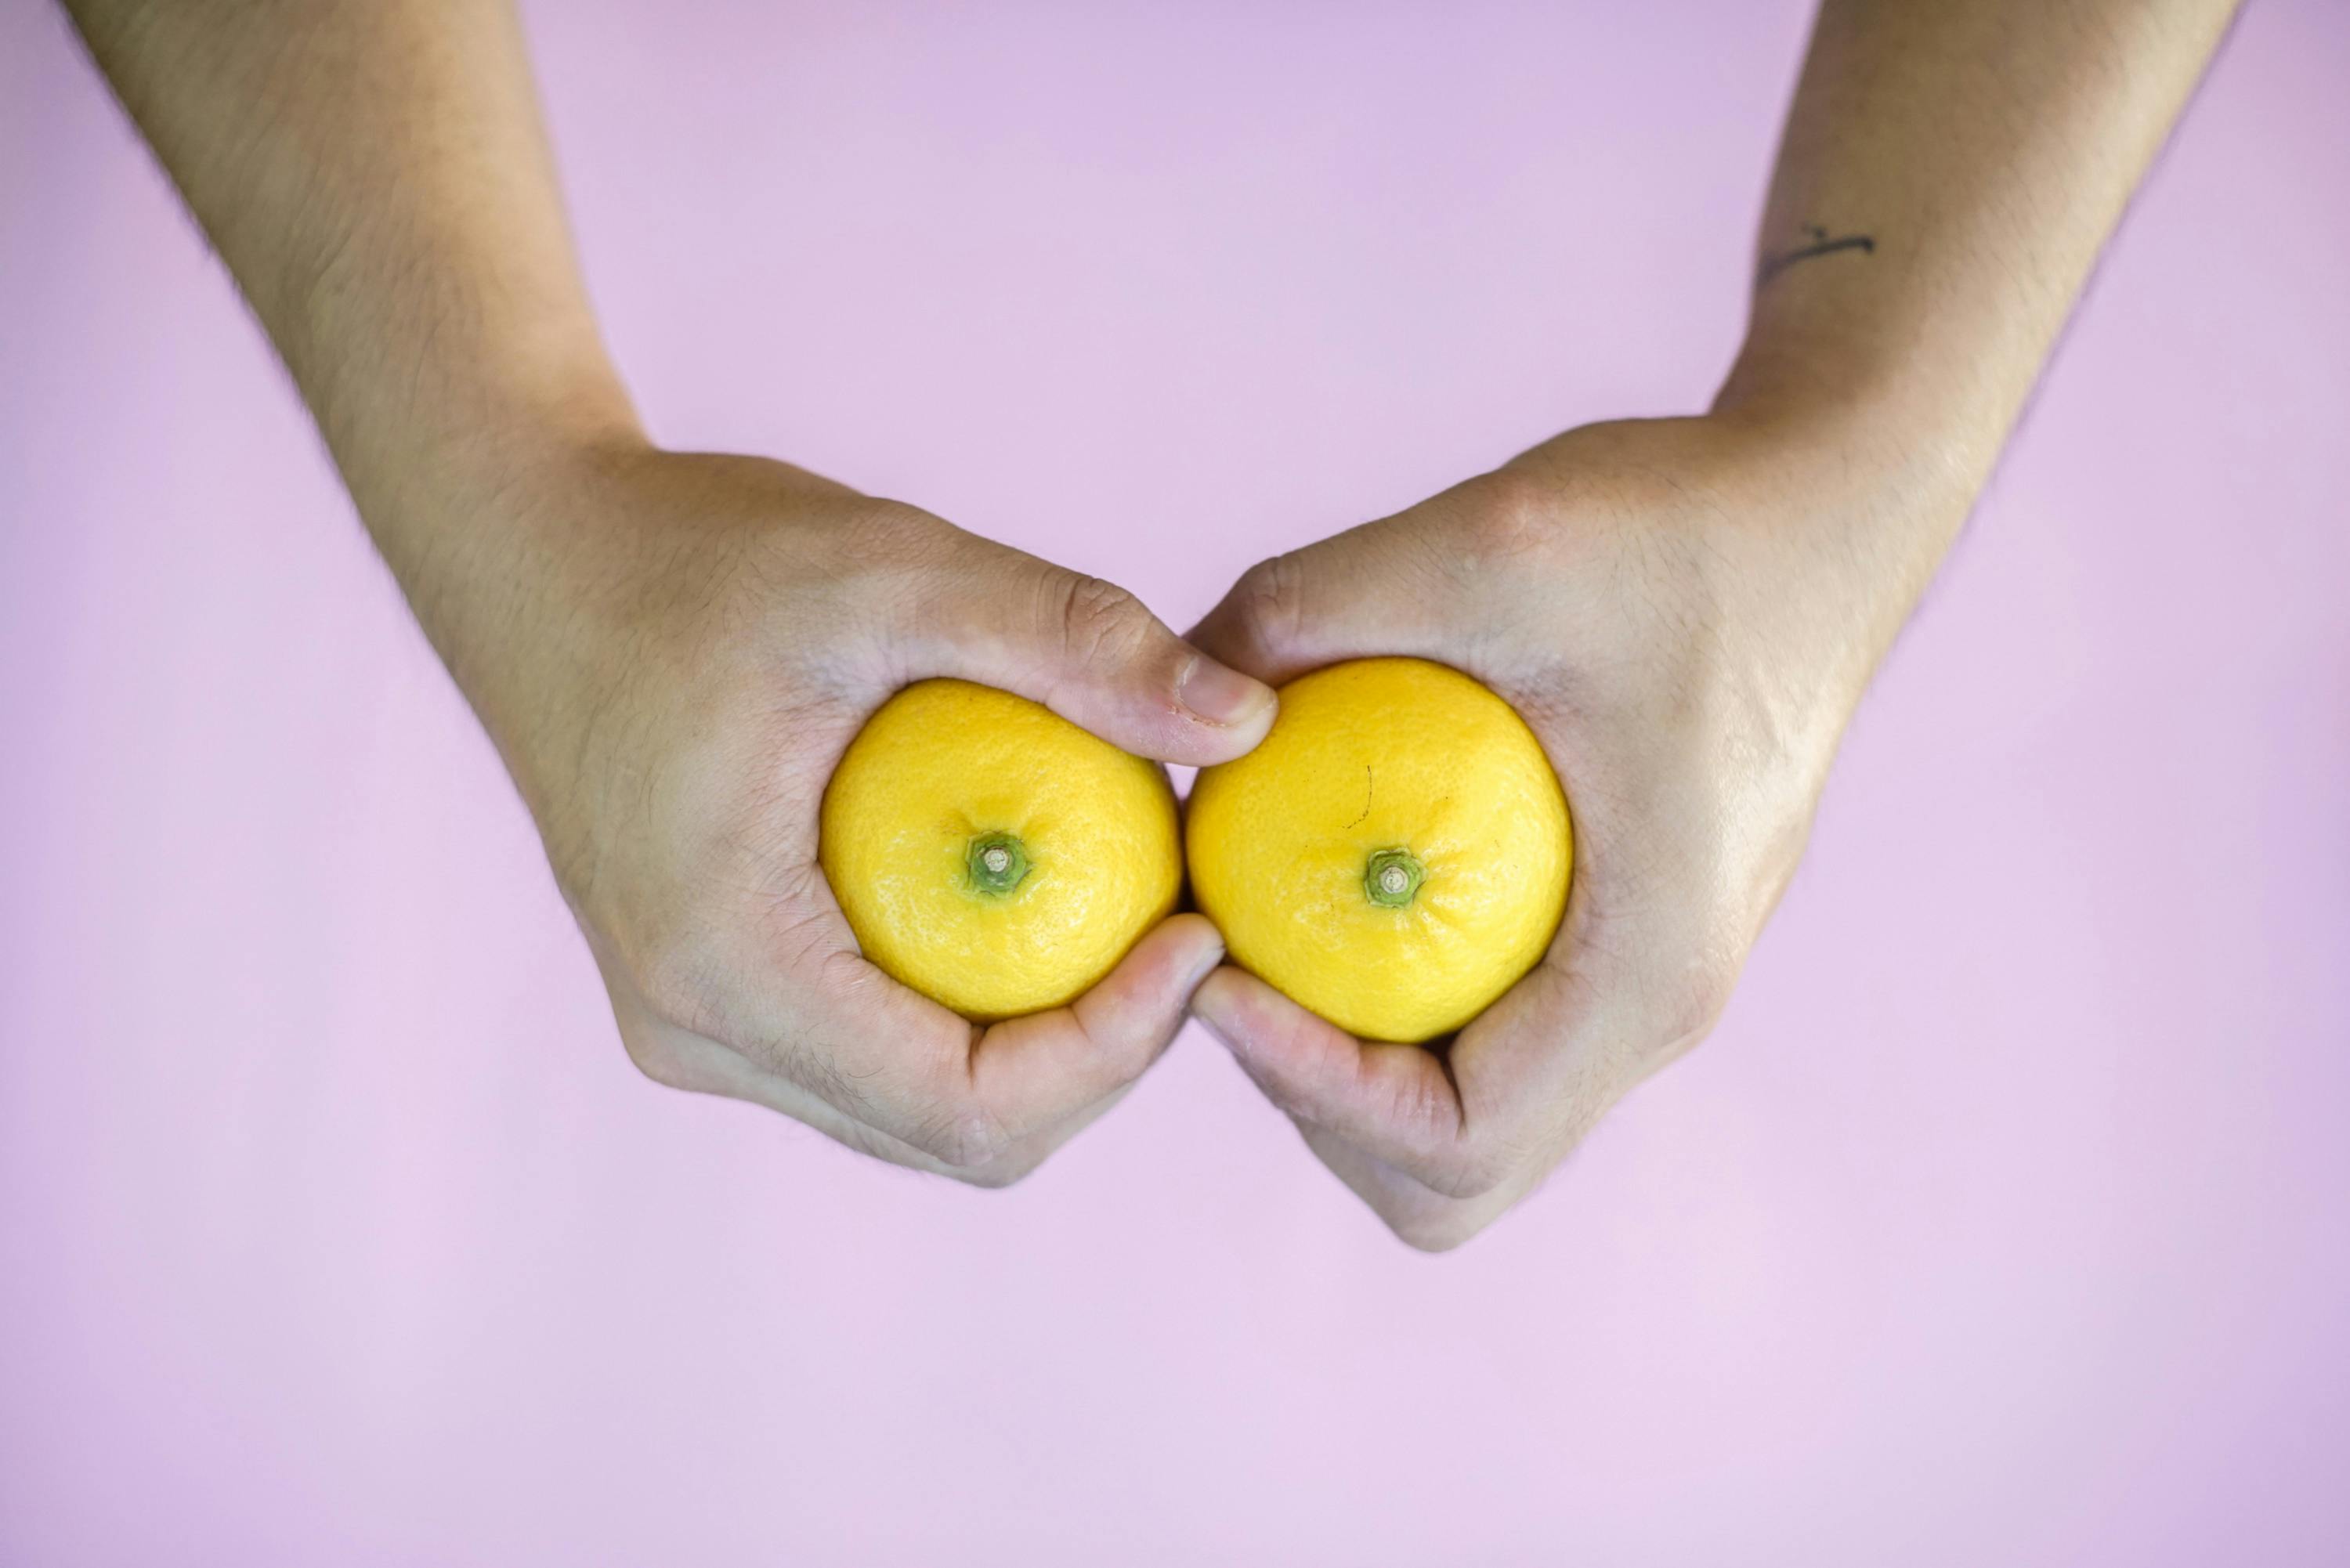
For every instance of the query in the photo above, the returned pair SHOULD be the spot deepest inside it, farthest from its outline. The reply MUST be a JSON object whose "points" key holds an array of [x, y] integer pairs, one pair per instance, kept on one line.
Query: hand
{"points": [[1685, 612], [683, 646]]}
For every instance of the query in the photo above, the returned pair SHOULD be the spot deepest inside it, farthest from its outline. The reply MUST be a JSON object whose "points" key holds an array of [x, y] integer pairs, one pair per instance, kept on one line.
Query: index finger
{"points": [[1461, 1119]]}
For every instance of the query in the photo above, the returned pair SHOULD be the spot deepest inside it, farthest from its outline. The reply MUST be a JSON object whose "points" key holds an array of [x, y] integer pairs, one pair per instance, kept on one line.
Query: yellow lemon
{"points": [[991, 854], [1394, 855]]}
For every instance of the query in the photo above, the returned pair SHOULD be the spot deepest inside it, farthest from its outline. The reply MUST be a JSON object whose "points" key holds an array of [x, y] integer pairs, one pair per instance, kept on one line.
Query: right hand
{"points": [[673, 651], [1686, 613]]}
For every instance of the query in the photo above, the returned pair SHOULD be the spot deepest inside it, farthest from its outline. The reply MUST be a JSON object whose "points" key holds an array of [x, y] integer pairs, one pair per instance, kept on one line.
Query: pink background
{"points": [[2007, 1219]]}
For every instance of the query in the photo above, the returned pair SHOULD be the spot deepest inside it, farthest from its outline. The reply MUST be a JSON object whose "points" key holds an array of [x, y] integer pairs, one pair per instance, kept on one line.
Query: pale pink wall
{"points": [[2003, 1222]]}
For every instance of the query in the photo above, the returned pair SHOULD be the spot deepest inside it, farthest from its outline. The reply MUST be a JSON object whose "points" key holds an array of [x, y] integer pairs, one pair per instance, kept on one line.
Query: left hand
{"points": [[1686, 612]]}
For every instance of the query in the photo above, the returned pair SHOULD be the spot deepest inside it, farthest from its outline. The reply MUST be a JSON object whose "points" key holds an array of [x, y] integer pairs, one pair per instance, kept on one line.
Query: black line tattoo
{"points": [[1821, 245]]}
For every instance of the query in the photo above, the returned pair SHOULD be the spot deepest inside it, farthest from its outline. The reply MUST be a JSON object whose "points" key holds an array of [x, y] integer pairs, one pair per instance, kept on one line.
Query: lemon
{"points": [[1393, 857], [991, 854]]}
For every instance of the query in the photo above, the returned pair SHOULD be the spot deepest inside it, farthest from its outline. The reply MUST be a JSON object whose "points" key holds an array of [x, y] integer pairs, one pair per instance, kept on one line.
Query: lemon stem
{"points": [[1391, 876], [997, 862]]}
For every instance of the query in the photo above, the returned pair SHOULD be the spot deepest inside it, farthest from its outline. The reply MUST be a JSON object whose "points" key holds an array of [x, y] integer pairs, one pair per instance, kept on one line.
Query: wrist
{"points": [[1850, 504], [455, 446], [509, 546], [1882, 426], [1884, 466]]}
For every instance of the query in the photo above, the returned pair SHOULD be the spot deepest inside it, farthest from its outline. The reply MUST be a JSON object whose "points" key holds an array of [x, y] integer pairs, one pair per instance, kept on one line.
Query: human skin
{"points": [[670, 650], [1687, 612]]}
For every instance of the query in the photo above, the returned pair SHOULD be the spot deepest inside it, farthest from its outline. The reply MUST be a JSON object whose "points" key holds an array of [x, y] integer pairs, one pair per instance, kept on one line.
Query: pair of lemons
{"points": [[1393, 855]]}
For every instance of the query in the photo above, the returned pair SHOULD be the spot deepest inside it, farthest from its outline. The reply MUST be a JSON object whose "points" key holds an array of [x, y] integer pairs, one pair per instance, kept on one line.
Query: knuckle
{"points": [[1432, 1232], [1270, 597], [679, 984], [1098, 621], [1507, 514], [653, 1057], [1472, 1174], [1424, 1107], [997, 1175], [893, 533], [968, 1140]]}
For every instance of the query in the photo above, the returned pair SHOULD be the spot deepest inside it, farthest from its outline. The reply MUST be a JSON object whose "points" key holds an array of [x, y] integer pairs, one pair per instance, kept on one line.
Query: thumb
{"points": [[1404, 584], [1095, 654]]}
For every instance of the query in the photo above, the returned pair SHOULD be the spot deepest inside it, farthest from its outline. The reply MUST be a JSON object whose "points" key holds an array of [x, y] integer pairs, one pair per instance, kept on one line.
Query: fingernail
{"points": [[1219, 695]]}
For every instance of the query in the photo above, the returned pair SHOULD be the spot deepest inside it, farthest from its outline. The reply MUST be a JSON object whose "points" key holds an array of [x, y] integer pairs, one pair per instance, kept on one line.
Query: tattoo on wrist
{"points": [[1820, 245]]}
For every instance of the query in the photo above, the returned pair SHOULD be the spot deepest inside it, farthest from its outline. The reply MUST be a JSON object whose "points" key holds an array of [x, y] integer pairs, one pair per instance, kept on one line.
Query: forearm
{"points": [[375, 177], [1947, 176], [374, 174]]}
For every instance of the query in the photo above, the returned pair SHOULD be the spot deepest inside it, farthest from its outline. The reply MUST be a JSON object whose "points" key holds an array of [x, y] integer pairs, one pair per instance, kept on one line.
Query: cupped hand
{"points": [[683, 647], [1685, 611]]}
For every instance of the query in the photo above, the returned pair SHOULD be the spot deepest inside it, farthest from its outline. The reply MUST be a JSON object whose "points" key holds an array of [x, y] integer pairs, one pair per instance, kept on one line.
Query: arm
{"points": [[670, 650], [1984, 150], [376, 178], [1688, 610]]}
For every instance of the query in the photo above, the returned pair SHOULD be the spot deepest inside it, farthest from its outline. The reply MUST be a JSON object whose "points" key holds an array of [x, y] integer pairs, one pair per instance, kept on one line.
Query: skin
{"points": [[670, 650], [1687, 612]]}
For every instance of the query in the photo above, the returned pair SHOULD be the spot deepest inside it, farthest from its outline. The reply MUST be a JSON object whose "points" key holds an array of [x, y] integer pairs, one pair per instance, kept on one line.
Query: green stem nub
{"points": [[1391, 876], [997, 862]]}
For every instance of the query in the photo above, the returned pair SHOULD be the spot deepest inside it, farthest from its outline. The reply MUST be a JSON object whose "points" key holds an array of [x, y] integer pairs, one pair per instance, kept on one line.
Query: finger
{"points": [[1536, 1067], [682, 1059], [1393, 586], [679, 1058], [1094, 654], [1535, 1073], [846, 1052], [1038, 1072], [702, 1065], [1396, 1103], [907, 1068], [1421, 1219]]}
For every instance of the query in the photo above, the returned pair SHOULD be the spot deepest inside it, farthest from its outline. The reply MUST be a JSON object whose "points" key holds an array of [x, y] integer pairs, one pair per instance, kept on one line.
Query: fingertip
{"points": [[1259, 1025], [1132, 1013], [1190, 710], [1394, 1102], [1204, 945], [1222, 636], [1169, 962], [1235, 710], [1290, 1055]]}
